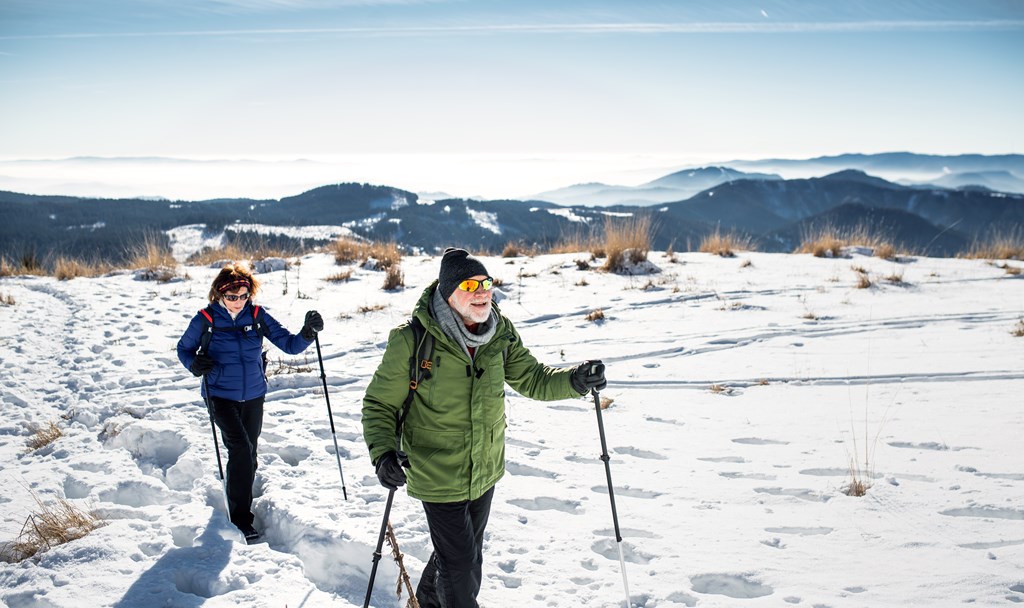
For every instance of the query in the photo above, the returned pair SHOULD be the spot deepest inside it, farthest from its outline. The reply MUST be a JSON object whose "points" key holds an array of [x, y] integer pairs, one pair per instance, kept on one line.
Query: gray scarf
{"points": [[455, 329]]}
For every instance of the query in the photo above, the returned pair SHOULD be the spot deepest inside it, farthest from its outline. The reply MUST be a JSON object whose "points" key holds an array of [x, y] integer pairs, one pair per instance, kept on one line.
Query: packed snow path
{"points": [[744, 389]]}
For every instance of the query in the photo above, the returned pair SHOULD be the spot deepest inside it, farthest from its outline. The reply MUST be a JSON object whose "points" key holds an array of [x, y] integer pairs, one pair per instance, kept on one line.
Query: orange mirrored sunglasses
{"points": [[472, 285]]}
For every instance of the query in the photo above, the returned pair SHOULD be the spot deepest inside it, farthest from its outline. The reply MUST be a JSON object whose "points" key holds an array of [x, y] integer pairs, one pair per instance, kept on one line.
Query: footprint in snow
{"points": [[546, 503], [608, 549], [638, 453], [739, 586]]}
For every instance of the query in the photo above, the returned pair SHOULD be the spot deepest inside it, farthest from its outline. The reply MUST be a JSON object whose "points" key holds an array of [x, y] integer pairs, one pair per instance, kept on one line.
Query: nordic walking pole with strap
{"points": [[330, 416], [611, 492]]}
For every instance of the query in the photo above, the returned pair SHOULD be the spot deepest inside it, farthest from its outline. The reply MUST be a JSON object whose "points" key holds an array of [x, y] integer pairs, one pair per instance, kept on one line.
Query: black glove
{"points": [[389, 469], [313, 324], [202, 365], [588, 375]]}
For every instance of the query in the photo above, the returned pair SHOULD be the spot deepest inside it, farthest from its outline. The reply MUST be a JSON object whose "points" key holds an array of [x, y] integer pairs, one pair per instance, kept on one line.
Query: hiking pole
{"points": [[216, 446], [380, 546], [611, 492], [330, 416]]}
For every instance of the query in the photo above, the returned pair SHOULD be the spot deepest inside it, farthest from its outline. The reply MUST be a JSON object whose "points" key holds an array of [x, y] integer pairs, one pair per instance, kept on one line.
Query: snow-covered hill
{"points": [[744, 389]]}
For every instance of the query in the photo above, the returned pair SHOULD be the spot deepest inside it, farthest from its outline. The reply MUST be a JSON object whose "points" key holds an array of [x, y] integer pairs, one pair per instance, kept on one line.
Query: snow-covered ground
{"points": [[743, 389]]}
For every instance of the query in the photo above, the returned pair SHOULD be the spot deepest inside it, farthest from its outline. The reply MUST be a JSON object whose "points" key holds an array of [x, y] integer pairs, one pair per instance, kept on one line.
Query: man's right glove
{"points": [[588, 375], [202, 365], [389, 469]]}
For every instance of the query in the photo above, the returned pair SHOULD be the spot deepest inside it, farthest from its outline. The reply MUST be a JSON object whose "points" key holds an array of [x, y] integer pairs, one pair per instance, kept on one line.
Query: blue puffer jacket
{"points": [[239, 373]]}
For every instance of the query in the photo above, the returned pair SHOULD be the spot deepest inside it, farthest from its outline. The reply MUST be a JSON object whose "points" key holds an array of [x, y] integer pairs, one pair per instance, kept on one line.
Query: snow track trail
{"points": [[742, 397]]}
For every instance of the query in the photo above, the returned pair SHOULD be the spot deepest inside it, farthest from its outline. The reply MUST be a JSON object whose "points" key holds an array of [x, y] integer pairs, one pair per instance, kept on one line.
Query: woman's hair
{"points": [[233, 276]]}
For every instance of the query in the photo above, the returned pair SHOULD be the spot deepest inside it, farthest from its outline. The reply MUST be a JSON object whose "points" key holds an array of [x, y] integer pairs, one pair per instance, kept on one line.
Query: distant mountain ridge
{"points": [[774, 212]]}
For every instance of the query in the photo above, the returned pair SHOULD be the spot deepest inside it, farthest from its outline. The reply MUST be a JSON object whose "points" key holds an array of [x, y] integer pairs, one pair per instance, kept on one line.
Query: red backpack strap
{"points": [[206, 314], [204, 339]]}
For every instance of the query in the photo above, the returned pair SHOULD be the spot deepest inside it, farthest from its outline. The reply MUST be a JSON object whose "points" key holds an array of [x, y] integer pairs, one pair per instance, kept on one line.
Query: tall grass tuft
{"points": [[348, 250], [725, 245], [70, 268], [49, 526], [627, 241], [1006, 245], [152, 260], [393, 278], [827, 241]]}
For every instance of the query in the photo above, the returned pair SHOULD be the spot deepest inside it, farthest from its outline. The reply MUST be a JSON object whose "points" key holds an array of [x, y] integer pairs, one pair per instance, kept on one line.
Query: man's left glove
{"points": [[588, 375], [314, 323]]}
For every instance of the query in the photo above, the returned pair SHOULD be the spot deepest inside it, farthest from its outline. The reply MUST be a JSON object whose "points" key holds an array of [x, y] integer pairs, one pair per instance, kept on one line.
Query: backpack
{"points": [[420, 364], [257, 324]]}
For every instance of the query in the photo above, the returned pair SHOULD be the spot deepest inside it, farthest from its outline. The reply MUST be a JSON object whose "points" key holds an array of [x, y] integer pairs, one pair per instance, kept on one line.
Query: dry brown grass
{"points": [[1003, 246], [43, 436], [1018, 330], [252, 250], [858, 485], [863, 280], [340, 277], [27, 264], [370, 308], [152, 260], [725, 245], [51, 525], [828, 242], [627, 241], [351, 251], [7, 299], [595, 315], [1011, 270], [393, 278], [69, 268], [577, 241], [515, 250]]}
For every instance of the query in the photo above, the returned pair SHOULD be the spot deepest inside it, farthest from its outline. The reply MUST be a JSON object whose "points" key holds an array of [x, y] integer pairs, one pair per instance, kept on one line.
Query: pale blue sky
{"points": [[708, 79]]}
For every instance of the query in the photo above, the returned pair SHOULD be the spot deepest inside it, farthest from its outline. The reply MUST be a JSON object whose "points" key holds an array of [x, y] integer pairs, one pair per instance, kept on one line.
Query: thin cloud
{"points": [[578, 28]]}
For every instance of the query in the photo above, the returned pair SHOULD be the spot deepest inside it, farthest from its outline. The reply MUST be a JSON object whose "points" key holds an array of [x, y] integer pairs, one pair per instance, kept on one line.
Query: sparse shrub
{"points": [[386, 254], [43, 436], [340, 277], [724, 245], [863, 280], [577, 241], [48, 527], [7, 299], [606, 402], [582, 283], [582, 264], [1011, 270], [394, 278], [627, 241], [886, 251], [1018, 330], [595, 315], [347, 250], [746, 263]]}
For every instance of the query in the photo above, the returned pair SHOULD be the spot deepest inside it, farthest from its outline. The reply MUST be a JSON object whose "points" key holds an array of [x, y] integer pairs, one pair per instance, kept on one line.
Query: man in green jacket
{"points": [[453, 438]]}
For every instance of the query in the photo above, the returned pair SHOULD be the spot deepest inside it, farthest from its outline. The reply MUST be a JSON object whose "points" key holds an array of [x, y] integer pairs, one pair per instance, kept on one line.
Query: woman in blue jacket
{"points": [[224, 343]]}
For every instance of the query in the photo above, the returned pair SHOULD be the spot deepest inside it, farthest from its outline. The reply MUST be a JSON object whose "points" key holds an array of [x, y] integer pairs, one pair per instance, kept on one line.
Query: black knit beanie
{"points": [[457, 266]]}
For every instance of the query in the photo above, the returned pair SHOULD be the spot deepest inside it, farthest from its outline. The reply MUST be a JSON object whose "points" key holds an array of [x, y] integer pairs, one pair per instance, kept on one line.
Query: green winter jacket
{"points": [[455, 431]]}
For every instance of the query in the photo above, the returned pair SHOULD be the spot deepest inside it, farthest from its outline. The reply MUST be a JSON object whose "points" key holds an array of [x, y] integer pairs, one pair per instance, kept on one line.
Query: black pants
{"points": [[240, 423], [454, 571]]}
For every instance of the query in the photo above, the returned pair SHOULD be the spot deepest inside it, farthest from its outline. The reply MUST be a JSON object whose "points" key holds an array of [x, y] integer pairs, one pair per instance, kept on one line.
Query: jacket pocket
{"points": [[439, 459]]}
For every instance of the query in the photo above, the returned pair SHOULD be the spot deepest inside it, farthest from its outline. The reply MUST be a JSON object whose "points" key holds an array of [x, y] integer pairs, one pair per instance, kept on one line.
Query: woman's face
{"points": [[239, 297]]}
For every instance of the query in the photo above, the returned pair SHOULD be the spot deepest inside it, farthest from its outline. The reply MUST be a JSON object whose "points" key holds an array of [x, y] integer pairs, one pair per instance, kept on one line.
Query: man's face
{"points": [[472, 306]]}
